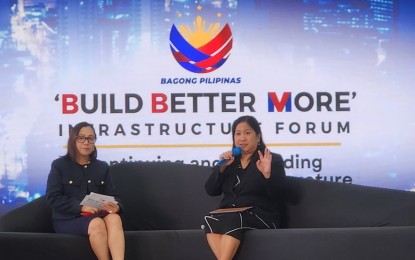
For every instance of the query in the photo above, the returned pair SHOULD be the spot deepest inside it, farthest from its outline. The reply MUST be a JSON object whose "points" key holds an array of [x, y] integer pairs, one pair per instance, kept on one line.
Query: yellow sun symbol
{"points": [[199, 36]]}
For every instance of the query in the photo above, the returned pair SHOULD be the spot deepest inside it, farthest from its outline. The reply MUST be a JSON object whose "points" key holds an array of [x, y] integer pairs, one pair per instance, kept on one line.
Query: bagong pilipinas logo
{"points": [[201, 51]]}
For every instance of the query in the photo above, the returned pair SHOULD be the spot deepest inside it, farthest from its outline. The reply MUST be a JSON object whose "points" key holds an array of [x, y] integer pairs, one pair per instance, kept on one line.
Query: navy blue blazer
{"points": [[69, 182]]}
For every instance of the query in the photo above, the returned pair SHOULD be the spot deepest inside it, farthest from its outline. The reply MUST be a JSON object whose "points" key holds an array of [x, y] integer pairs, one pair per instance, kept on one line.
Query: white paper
{"points": [[97, 200]]}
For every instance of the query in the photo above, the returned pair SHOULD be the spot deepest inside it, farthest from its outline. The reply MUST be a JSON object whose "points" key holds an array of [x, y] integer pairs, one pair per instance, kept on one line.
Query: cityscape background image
{"points": [[46, 42]]}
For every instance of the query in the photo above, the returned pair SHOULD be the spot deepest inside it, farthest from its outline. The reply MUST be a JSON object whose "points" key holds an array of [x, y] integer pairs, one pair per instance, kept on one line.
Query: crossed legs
{"points": [[107, 237], [223, 246]]}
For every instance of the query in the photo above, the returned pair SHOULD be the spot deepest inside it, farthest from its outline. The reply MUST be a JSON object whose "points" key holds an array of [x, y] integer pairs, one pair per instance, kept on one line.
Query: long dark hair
{"points": [[254, 124], [73, 133]]}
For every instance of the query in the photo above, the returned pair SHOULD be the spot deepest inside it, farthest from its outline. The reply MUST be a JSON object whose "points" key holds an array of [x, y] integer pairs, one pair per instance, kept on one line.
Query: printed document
{"points": [[97, 200]]}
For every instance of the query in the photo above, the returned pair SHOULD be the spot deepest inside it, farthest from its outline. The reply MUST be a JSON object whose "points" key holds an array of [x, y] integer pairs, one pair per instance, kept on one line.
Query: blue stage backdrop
{"points": [[331, 81]]}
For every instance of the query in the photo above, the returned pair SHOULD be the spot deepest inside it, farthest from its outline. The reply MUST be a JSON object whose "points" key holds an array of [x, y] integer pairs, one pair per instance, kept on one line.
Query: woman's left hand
{"points": [[264, 163], [111, 207]]}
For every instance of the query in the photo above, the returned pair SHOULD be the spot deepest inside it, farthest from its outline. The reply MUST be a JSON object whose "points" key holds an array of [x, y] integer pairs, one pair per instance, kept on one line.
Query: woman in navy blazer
{"points": [[252, 185], [71, 178]]}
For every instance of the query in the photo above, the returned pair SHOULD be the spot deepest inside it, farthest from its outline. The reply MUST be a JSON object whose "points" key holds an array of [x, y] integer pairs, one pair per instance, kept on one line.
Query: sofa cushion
{"points": [[167, 244], [163, 195], [321, 204], [380, 243], [38, 220], [26, 245]]}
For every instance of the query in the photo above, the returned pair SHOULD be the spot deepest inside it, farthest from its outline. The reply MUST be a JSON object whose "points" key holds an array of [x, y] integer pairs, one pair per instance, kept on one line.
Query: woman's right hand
{"points": [[89, 209], [228, 157]]}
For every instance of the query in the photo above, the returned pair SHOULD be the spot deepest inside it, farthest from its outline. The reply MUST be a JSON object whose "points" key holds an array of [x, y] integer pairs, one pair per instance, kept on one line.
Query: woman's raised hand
{"points": [[264, 163]]}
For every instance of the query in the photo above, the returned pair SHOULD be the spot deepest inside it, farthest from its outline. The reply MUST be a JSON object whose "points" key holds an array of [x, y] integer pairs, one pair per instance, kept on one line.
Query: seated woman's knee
{"points": [[97, 226], [113, 219]]}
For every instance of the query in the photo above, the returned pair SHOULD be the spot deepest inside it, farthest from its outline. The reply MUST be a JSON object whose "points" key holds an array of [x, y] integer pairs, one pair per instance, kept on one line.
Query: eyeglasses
{"points": [[81, 139]]}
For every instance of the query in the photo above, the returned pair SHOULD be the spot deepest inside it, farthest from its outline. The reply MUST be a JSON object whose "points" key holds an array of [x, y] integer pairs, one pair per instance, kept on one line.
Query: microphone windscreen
{"points": [[236, 151]]}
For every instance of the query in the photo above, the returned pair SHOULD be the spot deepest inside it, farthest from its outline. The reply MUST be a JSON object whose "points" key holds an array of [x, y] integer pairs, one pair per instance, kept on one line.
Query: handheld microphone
{"points": [[235, 152]]}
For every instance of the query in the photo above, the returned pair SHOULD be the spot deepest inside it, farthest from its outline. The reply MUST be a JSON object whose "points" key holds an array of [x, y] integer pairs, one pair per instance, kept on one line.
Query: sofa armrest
{"points": [[35, 216]]}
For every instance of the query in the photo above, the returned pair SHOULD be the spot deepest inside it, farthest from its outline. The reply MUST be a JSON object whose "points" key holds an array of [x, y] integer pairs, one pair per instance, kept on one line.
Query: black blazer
{"points": [[265, 195]]}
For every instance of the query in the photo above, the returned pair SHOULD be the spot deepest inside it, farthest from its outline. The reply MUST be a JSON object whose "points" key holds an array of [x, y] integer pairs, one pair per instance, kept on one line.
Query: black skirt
{"points": [[236, 223], [75, 226]]}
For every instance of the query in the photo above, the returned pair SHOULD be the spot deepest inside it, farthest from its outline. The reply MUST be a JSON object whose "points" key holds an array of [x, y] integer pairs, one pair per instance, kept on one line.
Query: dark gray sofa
{"points": [[164, 204]]}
